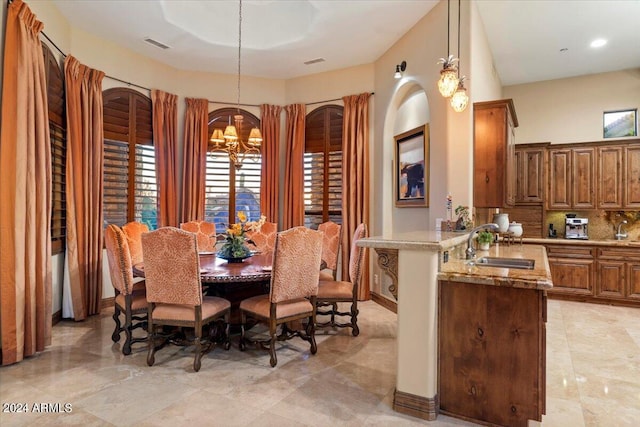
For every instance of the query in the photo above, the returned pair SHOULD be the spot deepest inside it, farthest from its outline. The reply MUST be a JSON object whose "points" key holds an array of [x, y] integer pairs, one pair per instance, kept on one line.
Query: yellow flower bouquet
{"points": [[234, 247]]}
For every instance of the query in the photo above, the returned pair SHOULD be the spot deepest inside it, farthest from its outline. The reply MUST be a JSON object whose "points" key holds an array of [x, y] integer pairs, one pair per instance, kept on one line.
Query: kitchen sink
{"points": [[524, 264]]}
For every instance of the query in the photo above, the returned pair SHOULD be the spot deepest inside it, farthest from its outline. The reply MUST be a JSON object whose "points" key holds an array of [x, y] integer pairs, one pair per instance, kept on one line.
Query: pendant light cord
{"points": [[239, 49], [458, 39], [448, 26]]}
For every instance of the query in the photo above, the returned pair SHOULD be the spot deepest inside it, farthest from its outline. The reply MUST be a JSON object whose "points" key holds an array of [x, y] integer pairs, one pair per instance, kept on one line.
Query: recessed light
{"points": [[564, 49], [598, 43]]}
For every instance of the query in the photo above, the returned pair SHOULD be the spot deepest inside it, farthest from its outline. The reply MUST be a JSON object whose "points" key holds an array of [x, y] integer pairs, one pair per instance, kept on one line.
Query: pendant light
{"points": [[459, 100], [448, 82]]}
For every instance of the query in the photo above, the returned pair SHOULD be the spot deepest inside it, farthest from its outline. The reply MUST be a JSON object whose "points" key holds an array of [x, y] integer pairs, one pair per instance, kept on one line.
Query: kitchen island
{"points": [[423, 262]]}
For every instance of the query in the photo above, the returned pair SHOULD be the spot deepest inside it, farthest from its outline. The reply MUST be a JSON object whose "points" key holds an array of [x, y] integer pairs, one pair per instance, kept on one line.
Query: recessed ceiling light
{"points": [[564, 49], [598, 43]]}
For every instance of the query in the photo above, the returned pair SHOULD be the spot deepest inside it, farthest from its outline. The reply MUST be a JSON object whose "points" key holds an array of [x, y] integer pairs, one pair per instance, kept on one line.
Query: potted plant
{"points": [[484, 240]]}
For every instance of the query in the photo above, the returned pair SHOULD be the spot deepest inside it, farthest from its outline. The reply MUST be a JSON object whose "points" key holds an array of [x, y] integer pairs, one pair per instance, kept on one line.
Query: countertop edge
{"points": [[581, 242]]}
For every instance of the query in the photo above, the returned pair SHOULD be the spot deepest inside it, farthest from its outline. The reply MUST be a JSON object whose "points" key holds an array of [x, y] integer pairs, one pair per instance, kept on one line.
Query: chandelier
{"points": [[231, 140], [448, 82]]}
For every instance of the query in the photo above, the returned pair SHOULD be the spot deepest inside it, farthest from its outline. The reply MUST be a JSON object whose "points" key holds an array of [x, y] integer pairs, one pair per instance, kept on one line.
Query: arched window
{"points": [[231, 189], [130, 187], [323, 166], [58, 131]]}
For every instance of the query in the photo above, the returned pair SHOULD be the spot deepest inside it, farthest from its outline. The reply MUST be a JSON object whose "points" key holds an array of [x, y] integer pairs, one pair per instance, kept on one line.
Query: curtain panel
{"points": [[293, 202], [84, 174], [25, 192], [355, 180], [269, 174], [194, 164], [165, 138]]}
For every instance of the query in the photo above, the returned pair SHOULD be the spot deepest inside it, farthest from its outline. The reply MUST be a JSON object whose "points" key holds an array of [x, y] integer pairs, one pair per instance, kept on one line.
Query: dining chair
{"points": [[128, 300], [174, 291], [205, 233], [330, 249], [264, 239], [292, 294], [332, 292], [133, 231]]}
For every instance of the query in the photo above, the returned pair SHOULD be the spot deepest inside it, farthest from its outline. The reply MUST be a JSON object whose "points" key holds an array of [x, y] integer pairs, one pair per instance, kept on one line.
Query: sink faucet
{"points": [[620, 235], [471, 252]]}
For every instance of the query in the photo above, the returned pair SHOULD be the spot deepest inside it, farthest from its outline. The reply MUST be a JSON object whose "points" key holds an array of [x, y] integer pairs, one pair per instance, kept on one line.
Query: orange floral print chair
{"points": [[205, 232], [174, 291], [292, 296], [265, 238], [330, 249], [133, 232], [331, 292], [130, 301]]}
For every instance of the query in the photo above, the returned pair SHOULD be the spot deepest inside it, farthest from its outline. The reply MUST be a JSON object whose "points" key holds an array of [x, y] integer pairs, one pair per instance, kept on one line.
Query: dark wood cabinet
{"points": [[572, 269], [492, 354], [572, 178], [631, 181], [559, 179], [609, 182], [529, 170], [618, 273], [493, 154]]}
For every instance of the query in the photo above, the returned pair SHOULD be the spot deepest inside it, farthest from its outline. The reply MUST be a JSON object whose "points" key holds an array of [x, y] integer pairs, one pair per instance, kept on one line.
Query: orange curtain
{"points": [[25, 192], [85, 140], [165, 137], [293, 203], [269, 179], [355, 179], [194, 164]]}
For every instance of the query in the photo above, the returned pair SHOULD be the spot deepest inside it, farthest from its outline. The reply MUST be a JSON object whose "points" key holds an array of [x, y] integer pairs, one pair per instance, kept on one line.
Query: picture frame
{"points": [[620, 123], [411, 173]]}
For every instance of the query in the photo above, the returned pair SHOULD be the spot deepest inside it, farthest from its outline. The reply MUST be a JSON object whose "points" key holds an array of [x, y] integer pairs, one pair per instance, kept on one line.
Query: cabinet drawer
{"points": [[562, 251], [619, 253]]}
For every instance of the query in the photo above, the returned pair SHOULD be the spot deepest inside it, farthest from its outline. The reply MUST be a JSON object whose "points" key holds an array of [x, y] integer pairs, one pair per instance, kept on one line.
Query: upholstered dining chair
{"points": [[174, 291], [330, 249], [133, 231], [265, 238], [332, 292], [292, 295], [205, 232], [129, 300]]}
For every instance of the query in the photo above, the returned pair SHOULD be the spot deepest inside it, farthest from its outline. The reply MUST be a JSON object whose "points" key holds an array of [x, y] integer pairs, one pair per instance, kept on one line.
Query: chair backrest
{"points": [[119, 259], [295, 274], [356, 257], [265, 238], [205, 233], [172, 267], [133, 230], [330, 243]]}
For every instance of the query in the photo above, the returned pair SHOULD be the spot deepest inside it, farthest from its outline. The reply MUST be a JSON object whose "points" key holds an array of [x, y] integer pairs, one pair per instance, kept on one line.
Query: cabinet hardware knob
{"points": [[473, 390], [486, 179], [480, 332], [513, 409]]}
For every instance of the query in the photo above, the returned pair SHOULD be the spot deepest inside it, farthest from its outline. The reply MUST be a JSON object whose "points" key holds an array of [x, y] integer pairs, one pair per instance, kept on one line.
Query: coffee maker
{"points": [[576, 228]]}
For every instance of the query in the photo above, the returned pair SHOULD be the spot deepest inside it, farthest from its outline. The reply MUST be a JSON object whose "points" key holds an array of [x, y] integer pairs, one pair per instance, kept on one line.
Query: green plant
{"points": [[484, 237], [464, 221]]}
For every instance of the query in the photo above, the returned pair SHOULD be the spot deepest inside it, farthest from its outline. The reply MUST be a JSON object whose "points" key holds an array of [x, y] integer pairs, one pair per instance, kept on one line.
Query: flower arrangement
{"points": [[234, 246], [465, 221]]}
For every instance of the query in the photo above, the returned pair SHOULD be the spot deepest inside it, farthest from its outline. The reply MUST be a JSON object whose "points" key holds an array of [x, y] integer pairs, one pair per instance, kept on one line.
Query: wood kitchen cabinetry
{"points": [[609, 180], [492, 354], [572, 178], [572, 269], [493, 153], [529, 171], [618, 273], [631, 181]]}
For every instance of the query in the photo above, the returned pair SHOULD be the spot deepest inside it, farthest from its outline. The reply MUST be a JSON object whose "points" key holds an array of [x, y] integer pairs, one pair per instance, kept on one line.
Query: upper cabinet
{"points": [[494, 178], [609, 180], [529, 170], [572, 178], [631, 181]]}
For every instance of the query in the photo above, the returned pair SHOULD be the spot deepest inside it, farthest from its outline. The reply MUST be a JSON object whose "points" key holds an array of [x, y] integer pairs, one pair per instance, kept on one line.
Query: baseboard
{"points": [[57, 316], [385, 302], [107, 302], [416, 406]]}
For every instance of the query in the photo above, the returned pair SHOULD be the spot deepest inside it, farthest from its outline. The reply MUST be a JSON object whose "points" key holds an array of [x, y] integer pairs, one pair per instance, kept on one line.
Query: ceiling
{"points": [[527, 37]]}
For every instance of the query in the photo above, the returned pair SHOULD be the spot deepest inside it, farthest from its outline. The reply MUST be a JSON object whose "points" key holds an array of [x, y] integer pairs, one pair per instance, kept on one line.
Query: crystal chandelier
{"points": [[231, 140], [448, 82]]}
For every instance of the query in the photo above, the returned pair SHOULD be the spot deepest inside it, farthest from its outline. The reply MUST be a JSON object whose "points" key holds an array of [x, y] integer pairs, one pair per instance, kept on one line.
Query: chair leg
{"points": [[272, 350], [115, 337], [311, 334], [243, 320], [354, 320], [227, 341], [126, 348], [198, 343], [334, 310], [152, 344]]}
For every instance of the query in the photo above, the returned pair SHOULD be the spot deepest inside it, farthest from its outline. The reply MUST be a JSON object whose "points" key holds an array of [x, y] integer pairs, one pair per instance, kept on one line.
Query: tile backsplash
{"points": [[602, 224]]}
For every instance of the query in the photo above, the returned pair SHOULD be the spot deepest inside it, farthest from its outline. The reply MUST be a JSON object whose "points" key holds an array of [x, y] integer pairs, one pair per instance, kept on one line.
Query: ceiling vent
{"points": [[156, 43], [314, 61]]}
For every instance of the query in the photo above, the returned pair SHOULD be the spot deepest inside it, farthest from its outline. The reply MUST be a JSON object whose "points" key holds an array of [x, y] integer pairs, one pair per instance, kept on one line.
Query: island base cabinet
{"points": [[491, 353]]}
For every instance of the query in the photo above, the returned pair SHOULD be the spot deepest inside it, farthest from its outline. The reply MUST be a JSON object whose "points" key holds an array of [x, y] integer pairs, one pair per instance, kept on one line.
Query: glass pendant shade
{"points": [[460, 100], [230, 133], [448, 82]]}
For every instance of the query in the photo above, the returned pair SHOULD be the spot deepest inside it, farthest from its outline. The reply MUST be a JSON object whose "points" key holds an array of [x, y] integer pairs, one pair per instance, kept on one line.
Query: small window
{"points": [[622, 123]]}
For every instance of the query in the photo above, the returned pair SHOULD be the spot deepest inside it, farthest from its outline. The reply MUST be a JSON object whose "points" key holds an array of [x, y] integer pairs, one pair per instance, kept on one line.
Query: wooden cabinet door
{"points": [[610, 279], [633, 281], [531, 178], [571, 276], [631, 181], [609, 180], [559, 188], [583, 190]]}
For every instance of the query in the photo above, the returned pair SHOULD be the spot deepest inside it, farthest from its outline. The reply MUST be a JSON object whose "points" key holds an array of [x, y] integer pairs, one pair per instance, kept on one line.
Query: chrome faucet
{"points": [[471, 252], [620, 235]]}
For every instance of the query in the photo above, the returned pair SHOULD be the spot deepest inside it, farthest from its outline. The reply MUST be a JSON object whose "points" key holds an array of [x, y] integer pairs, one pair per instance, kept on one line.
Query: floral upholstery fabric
{"points": [[356, 256], [330, 243], [265, 238], [119, 259], [172, 267], [261, 306], [133, 231], [205, 233], [298, 253]]}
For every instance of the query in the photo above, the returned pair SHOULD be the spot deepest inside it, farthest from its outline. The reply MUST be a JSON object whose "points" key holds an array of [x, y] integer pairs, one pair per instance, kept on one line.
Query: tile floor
{"points": [[593, 377]]}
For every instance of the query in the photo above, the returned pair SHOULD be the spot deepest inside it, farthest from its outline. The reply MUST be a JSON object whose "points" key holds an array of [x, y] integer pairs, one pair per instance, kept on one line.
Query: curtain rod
{"points": [[254, 105], [106, 75], [329, 100]]}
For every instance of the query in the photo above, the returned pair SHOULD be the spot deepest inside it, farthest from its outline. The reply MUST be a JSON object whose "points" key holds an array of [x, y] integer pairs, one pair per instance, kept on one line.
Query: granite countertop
{"points": [[418, 240], [461, 270], [579, 242]]}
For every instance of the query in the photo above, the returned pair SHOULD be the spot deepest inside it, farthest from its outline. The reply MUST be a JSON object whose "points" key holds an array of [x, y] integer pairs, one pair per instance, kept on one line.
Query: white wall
{"points": [[570, 110]]}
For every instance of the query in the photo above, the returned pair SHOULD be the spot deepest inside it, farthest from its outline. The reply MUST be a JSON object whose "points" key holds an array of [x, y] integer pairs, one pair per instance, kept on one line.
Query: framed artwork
{"points": [[412, 168], [621, 123]]}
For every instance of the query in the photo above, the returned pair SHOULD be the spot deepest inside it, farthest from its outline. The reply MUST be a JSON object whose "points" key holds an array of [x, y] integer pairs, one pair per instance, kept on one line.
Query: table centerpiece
{"points": [[234, 246]]}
